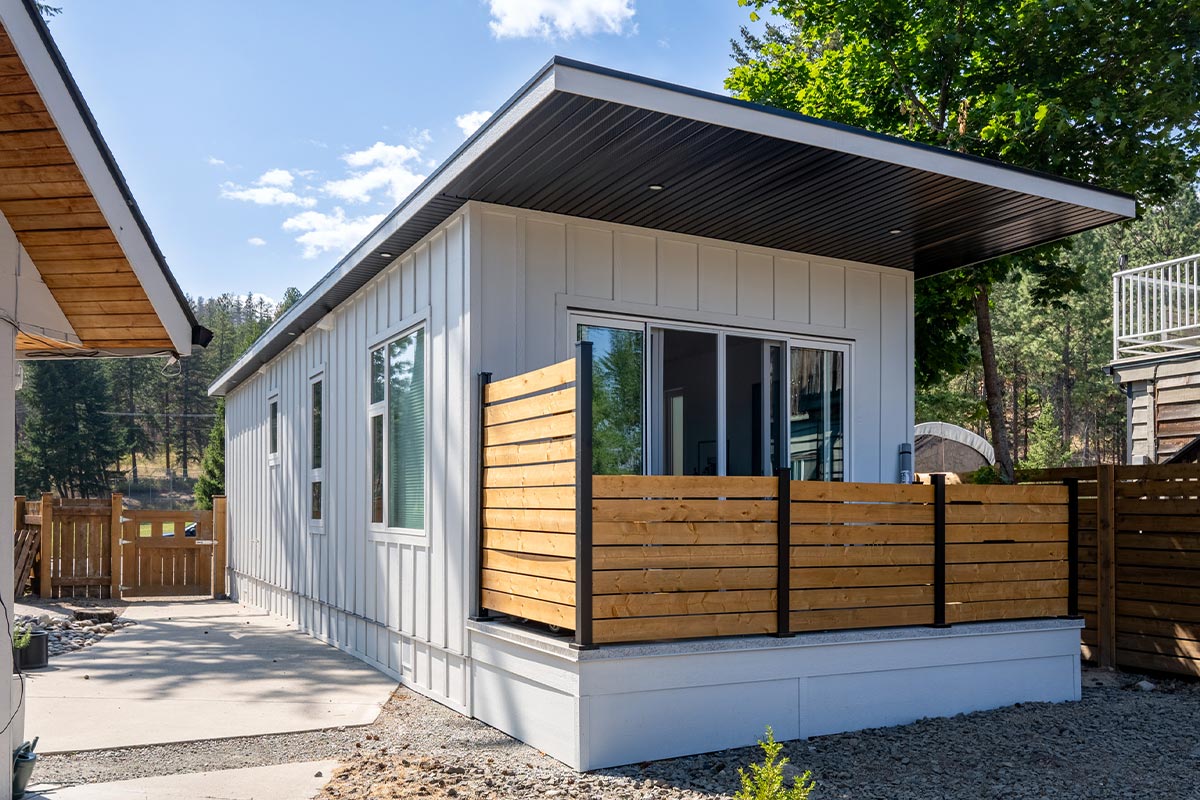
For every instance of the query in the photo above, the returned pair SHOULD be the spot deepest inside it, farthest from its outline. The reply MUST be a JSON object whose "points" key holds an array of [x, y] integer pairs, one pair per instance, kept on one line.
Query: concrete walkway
{"points": [[283, 782], [197, 670]]}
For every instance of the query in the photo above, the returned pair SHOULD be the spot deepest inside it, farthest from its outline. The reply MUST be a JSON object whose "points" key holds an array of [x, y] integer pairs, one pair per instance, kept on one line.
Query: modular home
{"points": [[597, 437]]}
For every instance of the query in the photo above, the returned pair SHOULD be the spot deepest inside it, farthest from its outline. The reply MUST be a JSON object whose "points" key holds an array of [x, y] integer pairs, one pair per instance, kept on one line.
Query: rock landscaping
{"points": [[1121, 741], [73, 631]]}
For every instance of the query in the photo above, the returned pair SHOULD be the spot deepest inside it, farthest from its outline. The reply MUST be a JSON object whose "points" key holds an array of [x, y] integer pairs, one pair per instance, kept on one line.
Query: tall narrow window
{"points": [[397, 432], [317, 432], [376, 413], [273, 436], [816, 416], [406, 431], [618, 364]]}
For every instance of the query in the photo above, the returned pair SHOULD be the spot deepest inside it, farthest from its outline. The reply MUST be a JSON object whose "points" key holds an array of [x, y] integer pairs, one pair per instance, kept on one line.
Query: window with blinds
{"points": [[397, 432]]}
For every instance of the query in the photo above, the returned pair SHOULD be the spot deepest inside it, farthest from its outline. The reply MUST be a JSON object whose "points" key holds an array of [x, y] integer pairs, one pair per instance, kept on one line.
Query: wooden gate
{"points": [[172, 552]]}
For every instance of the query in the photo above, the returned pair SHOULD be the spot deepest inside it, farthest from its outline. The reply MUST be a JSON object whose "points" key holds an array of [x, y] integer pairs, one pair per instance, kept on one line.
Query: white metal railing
{"points": [[1156, 308]]}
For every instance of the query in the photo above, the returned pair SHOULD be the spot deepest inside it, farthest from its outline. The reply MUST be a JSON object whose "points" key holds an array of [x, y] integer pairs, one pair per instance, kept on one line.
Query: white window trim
{"points": [[381, 531], [273, 456], [585, 316], [317, 473]]}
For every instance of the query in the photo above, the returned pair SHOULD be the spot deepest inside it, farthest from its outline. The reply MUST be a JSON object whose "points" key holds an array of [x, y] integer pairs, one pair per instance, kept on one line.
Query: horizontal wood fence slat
{"points": [[1139, 564], [527, 512]]}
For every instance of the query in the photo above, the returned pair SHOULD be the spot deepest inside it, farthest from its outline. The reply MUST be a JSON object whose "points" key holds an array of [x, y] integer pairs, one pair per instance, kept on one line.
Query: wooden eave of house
{"points": [[593, 143], [90, 278]]}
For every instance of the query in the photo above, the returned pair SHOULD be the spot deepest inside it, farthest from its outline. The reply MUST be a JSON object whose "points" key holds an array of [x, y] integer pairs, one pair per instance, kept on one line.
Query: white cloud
{"points": [[276, 177], [271, 189], [216, 162], [560, 19], [265, 196], [390, 167], [420, 138], [320, 232], [257, 241], [469, 122]]}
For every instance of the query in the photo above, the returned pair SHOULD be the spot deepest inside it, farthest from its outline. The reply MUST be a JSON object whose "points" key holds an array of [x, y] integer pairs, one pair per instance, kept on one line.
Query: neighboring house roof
{"points": [[72, 212], [590, 142], [1188, 454]]}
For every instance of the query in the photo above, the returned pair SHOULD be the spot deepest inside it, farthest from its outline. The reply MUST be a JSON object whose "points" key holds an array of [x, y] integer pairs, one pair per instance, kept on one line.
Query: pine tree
{"points": [[68, 441], [212, 468]]}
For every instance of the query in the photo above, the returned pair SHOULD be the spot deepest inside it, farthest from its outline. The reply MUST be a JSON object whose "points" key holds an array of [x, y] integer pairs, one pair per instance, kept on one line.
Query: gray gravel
{"points": [[1120, 741]]}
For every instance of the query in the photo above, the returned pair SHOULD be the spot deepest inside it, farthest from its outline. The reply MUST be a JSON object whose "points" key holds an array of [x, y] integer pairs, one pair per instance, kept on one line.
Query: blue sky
{"points": [[263, 139]]}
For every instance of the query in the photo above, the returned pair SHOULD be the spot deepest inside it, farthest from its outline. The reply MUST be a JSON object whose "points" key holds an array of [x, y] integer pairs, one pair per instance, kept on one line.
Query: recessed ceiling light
{"points": [[385, 255], [895, 231], [655, 187]]}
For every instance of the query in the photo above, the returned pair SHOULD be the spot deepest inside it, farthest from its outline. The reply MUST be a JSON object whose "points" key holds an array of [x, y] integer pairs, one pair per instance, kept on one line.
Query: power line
{"points": [[156, 414]]}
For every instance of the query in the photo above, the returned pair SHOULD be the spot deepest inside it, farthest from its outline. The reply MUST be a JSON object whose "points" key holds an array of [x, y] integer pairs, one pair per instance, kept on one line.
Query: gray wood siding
{"points": [[396, 600], [1163, 405], [537, 267]]}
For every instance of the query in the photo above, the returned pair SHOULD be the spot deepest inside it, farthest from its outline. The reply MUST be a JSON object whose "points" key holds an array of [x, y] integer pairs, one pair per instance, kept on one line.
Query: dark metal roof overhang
{"points": [[588, 142]]}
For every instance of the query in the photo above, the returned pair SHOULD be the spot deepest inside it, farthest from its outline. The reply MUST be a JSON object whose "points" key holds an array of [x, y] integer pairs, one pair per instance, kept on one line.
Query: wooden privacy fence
{"points": [[1139, 564], [637, 558], [528, 503], [99, 549]]}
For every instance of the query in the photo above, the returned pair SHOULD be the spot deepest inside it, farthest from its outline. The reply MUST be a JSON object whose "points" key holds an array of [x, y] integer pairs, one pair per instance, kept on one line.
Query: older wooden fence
{"points": [[637, 558], [1139, 564], [99, 549]]}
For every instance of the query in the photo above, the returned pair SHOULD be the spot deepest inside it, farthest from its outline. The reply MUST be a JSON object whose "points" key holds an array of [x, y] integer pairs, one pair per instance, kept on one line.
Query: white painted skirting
{"points": [[620, 705]]}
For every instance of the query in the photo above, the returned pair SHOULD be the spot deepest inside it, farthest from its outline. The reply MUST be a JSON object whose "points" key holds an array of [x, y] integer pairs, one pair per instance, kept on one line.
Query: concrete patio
{"points": [[204, 669], [298, 781]]}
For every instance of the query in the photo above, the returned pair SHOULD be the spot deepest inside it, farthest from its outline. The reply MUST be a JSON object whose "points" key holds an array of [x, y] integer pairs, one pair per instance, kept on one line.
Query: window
{"points": [[273, 430], [816, 398], [316, 443], [698, 400], [397, 431]]}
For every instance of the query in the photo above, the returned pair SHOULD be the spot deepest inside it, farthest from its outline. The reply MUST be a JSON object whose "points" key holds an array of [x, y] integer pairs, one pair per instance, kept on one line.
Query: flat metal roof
{"points": [[587, 141]]}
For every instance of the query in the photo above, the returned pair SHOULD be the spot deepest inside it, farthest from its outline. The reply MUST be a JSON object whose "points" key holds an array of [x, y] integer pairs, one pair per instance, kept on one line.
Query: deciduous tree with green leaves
{"points": [[1106, 91]]}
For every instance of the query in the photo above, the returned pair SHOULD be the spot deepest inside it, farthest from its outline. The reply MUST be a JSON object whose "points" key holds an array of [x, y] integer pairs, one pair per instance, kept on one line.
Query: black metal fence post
{"points": [[1072, 547], [939, 551], [479, 613], [783, 563], [583, 496]]}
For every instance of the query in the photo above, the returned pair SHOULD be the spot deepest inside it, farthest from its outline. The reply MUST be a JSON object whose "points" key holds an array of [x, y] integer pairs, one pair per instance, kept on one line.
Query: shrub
{"points": [[765, 781], [21, 636]]}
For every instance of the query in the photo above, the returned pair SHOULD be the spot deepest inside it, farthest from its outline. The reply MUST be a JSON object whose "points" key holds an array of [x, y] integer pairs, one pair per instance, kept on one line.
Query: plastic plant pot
{"points": [[36, 654]]}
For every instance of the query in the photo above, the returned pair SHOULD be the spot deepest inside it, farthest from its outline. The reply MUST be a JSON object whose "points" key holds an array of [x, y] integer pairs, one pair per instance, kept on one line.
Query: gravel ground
{"points": [[1119, 742]]}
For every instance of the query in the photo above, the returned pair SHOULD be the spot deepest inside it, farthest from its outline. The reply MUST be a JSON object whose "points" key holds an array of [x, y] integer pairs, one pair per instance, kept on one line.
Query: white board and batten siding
{"points": [[537, 268], [495, 287], [396, 600]]}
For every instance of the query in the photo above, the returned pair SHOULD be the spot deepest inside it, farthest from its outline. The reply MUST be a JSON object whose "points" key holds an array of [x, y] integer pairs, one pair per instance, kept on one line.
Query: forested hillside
{"points": [[140, 425], [1062, 407]]}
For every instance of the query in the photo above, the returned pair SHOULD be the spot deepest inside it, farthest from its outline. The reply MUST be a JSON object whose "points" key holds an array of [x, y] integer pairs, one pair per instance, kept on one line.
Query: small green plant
{"points": [[21, 636], [765, 781]]}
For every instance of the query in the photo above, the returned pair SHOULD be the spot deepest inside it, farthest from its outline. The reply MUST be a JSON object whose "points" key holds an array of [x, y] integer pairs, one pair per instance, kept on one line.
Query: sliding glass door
{"points": [[618, 397], [816, 443], [674, 400]]}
